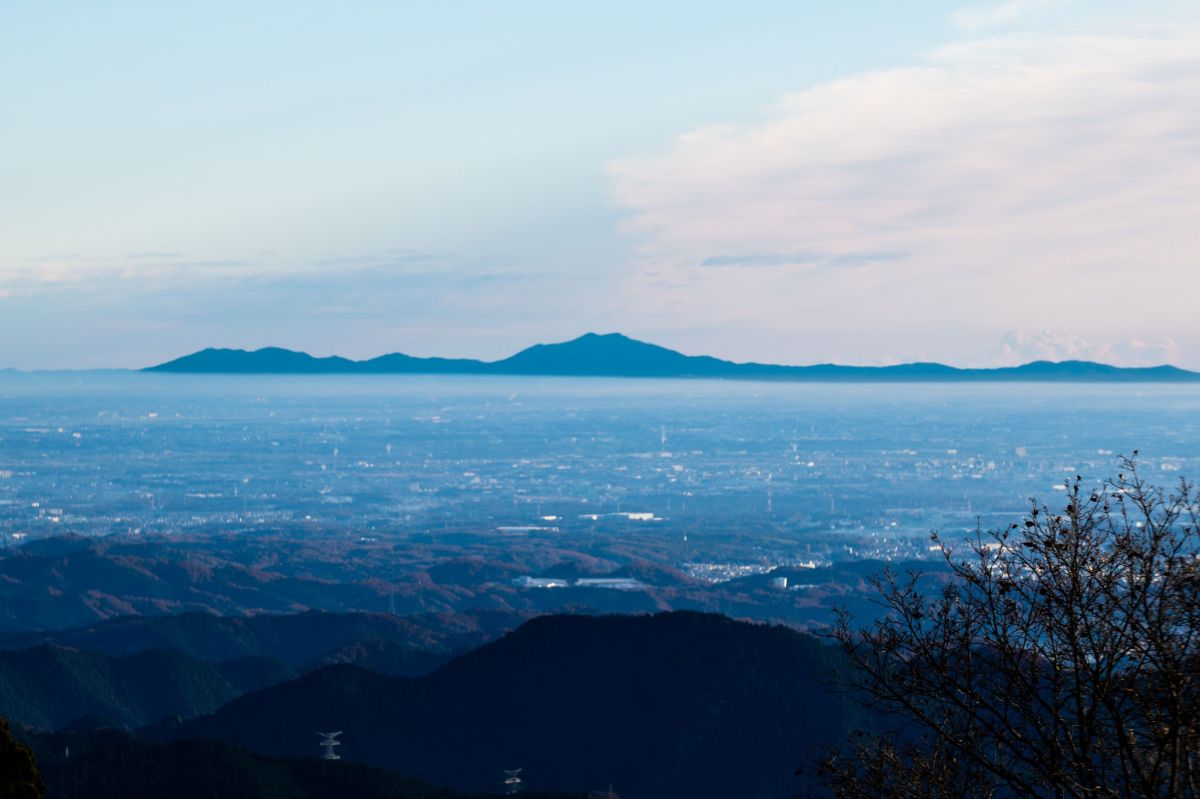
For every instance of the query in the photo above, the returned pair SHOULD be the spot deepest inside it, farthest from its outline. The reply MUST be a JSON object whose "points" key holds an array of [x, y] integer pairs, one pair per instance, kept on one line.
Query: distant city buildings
{"points": [[639, 516], [540, 582], [610, 583], [755, 478]]}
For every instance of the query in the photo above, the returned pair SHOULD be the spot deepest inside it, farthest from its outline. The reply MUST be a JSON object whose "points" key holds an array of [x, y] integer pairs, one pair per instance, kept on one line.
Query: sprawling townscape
{"points": [[683, 486]]}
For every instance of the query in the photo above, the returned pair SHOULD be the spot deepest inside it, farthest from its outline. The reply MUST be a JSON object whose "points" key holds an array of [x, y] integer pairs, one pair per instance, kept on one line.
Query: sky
{"points": [[797, 182]]}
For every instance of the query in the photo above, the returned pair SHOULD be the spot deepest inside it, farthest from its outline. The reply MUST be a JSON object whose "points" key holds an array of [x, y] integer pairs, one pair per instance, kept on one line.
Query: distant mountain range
{"points": [[616, 355]]}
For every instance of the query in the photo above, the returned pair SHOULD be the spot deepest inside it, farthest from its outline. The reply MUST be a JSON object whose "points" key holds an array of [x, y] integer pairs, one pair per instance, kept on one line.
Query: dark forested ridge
{"points": [[51, 687], [108, 764], [678, 704], [398, 645], [615, 355], [671, 705]]}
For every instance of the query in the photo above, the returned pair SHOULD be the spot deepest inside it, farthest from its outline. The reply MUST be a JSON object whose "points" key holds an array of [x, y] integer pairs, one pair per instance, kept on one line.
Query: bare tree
{"points": [[1061, 659]]}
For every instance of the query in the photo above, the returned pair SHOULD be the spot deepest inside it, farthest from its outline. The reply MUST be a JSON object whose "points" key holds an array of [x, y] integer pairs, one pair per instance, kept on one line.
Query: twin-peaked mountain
{"points": [[615, 355]]}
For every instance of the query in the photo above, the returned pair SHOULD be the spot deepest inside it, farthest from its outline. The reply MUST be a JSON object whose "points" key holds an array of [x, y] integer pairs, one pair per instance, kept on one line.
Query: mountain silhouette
{"points": [[679, 704], [612, 355], [616, 355]]}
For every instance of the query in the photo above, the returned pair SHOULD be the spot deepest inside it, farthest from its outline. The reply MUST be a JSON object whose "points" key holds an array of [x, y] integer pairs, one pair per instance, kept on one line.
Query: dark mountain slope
{"points": [[671, 705], [107, 764], [50, 687], [615, 355], [398, 645]]}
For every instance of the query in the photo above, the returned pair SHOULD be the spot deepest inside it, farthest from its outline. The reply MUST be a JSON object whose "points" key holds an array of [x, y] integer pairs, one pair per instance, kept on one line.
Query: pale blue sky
{"points": [[466, 178]]}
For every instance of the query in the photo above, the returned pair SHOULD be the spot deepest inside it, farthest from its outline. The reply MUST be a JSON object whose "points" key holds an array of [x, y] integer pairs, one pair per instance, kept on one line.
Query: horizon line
{"points": [[711, 362]]}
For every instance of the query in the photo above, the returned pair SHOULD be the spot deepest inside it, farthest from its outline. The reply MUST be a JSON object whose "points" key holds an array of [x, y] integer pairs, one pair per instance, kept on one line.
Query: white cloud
{"points": [[81, 310], [48, 273], [1028, 181], [991, 15], [1017, 348]]}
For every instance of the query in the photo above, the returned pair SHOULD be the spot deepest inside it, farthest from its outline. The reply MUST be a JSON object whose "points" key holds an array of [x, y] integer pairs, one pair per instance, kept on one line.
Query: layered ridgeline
{"points": [[404, 646], [52, 687], [679, 704], [209, 598], [671, 705], [135, 671], [615, 355]]}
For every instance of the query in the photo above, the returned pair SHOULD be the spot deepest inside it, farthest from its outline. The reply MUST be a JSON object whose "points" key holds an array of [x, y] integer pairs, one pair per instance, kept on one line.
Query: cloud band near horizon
{"points": [[1031, 183]]}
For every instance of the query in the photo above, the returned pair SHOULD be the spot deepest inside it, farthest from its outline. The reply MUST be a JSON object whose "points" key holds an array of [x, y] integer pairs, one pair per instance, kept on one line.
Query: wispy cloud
{"points": [[1019, 347], [146, 271], [802, 259], [356, 304], [1023, 178], [764, 259], [993, 15], [154, 255]]}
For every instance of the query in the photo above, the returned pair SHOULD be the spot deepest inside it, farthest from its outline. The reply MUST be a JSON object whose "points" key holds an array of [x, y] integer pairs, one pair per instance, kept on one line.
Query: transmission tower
{"points": [[328, 741], [511, 781]]}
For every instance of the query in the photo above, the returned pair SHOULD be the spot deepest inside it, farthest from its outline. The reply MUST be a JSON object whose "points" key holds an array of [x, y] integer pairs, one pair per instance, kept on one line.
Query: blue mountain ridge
{"points": [[616, 355]]}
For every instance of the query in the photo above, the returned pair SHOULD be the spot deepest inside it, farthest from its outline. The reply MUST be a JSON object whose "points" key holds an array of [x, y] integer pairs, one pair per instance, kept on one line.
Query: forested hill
{"points": [[110, 764], [401, 645], [670, 705], [51, 687]]}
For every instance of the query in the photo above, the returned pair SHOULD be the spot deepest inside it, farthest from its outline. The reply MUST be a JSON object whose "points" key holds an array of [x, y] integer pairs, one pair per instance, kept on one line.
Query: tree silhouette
{"points": [[1062, 659], [19, 777]]}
